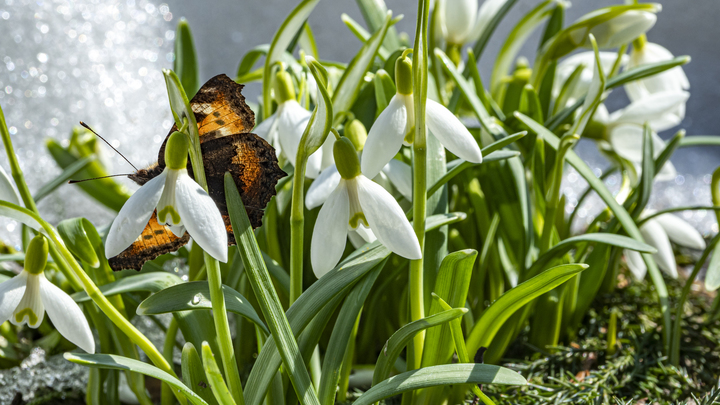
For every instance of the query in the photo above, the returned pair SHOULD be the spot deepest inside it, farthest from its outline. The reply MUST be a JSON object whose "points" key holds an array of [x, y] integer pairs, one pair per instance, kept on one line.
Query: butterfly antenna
{"points": [[86, 126], [98, 178]]}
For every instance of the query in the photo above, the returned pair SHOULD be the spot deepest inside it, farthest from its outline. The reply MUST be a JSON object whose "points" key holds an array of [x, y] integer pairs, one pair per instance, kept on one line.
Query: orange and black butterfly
{"points": [[224, 121]]}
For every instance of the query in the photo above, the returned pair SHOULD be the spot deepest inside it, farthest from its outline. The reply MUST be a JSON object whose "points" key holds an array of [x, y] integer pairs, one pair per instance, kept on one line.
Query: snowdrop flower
{"points": [[644, 52], [462, 22], [25, 298], [623, 129], [615, 31], [285, 127], [7, 190], [659, 232], [566, 68], [396, 121], [358, 201], [180, 202]]}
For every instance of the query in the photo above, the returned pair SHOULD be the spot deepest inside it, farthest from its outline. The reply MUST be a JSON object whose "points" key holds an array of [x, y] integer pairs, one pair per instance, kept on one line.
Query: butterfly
{"points": [[224, 123]]}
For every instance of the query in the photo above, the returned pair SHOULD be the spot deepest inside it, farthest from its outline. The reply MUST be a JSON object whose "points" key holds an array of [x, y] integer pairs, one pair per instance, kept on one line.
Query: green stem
{"points": [[715, 191], [222, 328], [416, 293], [166, 397], [15, 170], [297, 228], [553, 198]]}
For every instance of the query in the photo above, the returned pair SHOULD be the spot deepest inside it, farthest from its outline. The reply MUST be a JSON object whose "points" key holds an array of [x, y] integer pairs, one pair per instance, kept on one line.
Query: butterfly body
{"points": [[224, 121]]}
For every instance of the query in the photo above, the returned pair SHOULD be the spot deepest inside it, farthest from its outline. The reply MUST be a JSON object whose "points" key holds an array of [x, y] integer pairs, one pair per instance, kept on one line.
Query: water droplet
{"points": [[197, 298]]}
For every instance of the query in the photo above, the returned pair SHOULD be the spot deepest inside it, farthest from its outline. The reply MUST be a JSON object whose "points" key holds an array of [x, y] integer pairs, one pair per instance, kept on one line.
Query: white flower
{"points": [[659, 232], [618, 30], [587, 60], [624, 127], [462, 22], [388, 133], [669, 80], [7, 190], [181, 203], [355, 202], [25, 298]]}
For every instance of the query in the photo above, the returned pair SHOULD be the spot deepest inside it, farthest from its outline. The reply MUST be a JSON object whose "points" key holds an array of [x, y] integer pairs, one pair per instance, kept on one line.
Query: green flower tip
{"points": [[36, 255], [176, 151], [346, 160], [284, 88], [403, 75], [356, 132]]}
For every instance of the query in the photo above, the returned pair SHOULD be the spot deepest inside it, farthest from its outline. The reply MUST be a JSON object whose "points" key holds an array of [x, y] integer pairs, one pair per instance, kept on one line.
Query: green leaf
{"points": [[282, 39], [464, 86], [193, 375], [196, 295], [362, 34], [451, 286], [620, 213], [186, 64], [321, 119], [700, 140], [245, 68], [114, 362], [712, 277], [341, 334], [267, 297], [73, 233], [22, 215], [514, 42], [397, 342], [434, 376], [215, 378], [374, 12], [349, 86], [69, 172], [319, 294], [566, 245], [499, 311], [147, 282]]}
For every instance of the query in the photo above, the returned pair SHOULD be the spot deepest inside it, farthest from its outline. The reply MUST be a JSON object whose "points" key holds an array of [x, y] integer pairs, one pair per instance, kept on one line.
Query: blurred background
{"points": [[100, 62]]}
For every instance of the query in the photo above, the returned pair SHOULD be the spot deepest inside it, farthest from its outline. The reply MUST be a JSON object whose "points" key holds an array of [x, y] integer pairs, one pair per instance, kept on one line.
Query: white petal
{"points": [[658, 109], [166, 206], [134, 216], [178, 230], [667, 172], [627, 141], [487, 12], [7, 190], [385, 137], [681, 232], [11, 292], [655, 235], [387, 220], [267, 129], [460, 19], [636, 264], [327, 152], [448, 129], [291, 124], [314, 164], [66, 316], [322, 187], [400, 174], [330, 231], [201, 217], [670, 80], [360, 236], [30, 301]]}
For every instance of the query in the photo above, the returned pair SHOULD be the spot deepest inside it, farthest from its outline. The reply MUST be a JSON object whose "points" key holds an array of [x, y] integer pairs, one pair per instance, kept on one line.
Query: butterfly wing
{"points": [[156, 239]]}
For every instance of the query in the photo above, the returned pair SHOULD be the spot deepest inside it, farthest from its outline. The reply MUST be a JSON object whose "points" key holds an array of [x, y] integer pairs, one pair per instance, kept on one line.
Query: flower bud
{"points": [[460, 16], [356, 132], [284, 88], [176, 151], [36, 255], [346, 159], [403, 75], [616, 31]]}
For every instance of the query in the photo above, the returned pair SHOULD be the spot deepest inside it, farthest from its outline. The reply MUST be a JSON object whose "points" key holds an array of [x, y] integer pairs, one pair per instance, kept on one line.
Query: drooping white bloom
{"points": [[613, 32], [7, 190], [180, 202], [389, 130], [659, 232], [357, 201], [462, 22], [670, 80], [286, 126], [25, 298], [624, 128], [581, 84]]}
